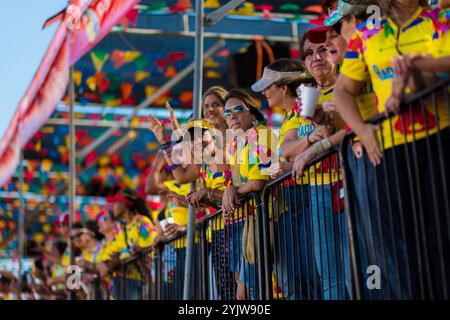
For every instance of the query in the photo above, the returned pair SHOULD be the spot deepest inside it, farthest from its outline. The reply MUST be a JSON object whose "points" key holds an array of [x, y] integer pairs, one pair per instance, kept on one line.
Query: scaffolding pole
{"points": [[198, 84], [72, 172]]}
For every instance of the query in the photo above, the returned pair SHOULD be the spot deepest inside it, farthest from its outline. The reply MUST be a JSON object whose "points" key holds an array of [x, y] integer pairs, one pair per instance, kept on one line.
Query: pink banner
{"points": [[85, 23]]}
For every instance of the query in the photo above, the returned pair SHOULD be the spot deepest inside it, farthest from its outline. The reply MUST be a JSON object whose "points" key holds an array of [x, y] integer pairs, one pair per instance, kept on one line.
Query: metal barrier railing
{"points": [[301, 242], [234, 246], [305, 221], [398, 211]]}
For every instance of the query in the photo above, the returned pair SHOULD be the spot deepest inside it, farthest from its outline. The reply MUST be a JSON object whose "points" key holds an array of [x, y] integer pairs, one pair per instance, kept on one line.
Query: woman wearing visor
{"points": [[279, 84]]}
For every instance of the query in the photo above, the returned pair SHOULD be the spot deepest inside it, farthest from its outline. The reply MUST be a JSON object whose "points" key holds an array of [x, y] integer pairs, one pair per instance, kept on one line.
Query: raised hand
{"points": [[157, 128]]}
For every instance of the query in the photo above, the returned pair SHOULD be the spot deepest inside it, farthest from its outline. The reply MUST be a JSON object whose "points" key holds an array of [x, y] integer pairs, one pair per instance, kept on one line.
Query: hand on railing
{"points": [[172, 229], [197, 198], [368, 135], [279, 169], [229, 201]]}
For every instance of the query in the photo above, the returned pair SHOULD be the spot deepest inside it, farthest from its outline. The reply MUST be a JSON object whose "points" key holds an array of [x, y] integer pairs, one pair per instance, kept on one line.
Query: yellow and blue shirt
{"points": [[370, 54]]}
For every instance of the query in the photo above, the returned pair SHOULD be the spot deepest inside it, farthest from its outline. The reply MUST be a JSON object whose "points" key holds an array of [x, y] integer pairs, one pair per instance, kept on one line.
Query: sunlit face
{"points": [[336, 47], [118, 209], [274, 95], [241, 120], [212, 109], [87, 238], [78, 240], [105, 224], [203, 146], [317, 62]]}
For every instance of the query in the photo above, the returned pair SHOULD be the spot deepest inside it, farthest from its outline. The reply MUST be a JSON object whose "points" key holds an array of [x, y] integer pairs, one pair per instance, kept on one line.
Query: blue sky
{"points": [[23, 44]]}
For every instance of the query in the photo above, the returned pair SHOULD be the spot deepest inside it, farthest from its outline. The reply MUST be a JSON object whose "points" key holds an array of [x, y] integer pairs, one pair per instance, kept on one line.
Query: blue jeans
{"points": [[247, 274], [330, 244], [295, 261], [234, 233], [133, 289]]}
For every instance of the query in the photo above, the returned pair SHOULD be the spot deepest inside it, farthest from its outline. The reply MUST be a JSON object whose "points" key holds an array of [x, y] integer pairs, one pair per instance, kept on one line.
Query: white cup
{"points": [[309, 97], [165, 222]]}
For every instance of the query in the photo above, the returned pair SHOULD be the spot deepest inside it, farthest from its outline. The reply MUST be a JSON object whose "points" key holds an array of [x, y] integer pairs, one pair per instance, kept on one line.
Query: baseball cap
{"points": [[318, 35], [270, 76]]}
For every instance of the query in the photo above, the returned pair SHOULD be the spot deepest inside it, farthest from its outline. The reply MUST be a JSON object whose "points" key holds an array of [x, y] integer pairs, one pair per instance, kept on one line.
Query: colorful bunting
{"points": [[141, 75], [213, 75], [170, 72], [212, 4], [98, 59], [210, 63]]}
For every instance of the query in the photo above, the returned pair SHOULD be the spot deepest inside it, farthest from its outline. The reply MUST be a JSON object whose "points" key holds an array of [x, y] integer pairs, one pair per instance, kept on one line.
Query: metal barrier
{"points": [[398, 211], [304, 220], [235, 252], [135, 281]]}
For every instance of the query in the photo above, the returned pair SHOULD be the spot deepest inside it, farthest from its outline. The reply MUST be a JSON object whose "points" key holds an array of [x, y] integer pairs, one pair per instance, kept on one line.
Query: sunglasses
{"points": [[235, 110]]}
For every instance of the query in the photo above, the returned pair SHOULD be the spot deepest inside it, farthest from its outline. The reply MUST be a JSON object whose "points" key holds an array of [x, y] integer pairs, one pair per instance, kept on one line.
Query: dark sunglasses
{"points": [[235, 110]]}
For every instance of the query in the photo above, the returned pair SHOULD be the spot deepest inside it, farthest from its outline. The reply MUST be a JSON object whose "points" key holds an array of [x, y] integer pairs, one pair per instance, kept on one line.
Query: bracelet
{"points": [[172, 167], [318, 147], [307, 138], [326, 143]]}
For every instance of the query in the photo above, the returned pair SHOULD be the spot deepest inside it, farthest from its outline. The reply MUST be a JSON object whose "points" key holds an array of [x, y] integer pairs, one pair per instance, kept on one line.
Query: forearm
{"points": [[347, 107], [251, 186], [290, 149], [433, 65]]}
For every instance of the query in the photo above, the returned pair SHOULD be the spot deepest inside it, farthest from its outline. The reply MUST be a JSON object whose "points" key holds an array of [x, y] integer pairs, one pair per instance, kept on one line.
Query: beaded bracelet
{"points": [[172, 167]]}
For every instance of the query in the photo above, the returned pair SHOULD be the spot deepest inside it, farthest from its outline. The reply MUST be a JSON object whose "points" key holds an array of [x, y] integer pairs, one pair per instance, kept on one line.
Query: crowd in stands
{"points": [[362, 67]]}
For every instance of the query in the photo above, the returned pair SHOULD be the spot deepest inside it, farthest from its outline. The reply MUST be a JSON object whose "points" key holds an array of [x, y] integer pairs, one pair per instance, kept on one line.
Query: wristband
{"points": [[307, 138], [172, 167], [326, 144]]}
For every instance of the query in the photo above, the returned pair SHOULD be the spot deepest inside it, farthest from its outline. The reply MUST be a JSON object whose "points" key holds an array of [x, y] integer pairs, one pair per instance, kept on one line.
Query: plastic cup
{"points": [[309, 97]]}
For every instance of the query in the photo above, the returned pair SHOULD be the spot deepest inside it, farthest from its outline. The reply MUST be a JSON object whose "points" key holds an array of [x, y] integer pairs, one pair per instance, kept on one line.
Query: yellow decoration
{"points": [[118, 171], [38, 146], [134, 123], [247, 10], [104, 161], [39, 237], [48, 129], [77, 76], [152, 146], [212, 4], [114, 102], [99, 62], [91, 83], [210, 63], [149, 91], [141, 75], [213, 75], [46, 165], [47, 228], [130, 56]]}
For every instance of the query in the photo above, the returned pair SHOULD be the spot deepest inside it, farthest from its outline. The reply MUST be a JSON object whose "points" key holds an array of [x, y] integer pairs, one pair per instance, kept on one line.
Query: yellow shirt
{"points": [[370, 54], [253, 154], [178, 213], [140, 232]]}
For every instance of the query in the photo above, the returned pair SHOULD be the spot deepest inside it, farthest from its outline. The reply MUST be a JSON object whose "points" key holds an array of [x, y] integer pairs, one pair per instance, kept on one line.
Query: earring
{"points": [[255, 123]]}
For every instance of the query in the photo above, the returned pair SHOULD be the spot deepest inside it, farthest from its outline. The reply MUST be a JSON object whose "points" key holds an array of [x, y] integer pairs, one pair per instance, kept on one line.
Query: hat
{"points": [[318, 35], [270, 76], [344, 8], [199, 123], [119, 198]]}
